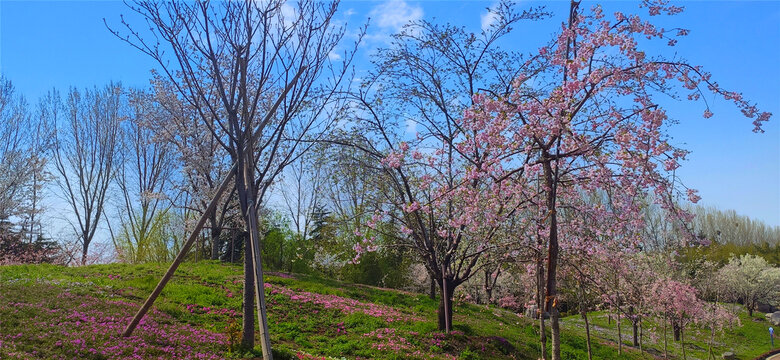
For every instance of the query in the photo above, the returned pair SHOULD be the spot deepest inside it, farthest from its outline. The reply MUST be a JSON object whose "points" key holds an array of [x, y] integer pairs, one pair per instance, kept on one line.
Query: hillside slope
{"points": [[54, 312]]}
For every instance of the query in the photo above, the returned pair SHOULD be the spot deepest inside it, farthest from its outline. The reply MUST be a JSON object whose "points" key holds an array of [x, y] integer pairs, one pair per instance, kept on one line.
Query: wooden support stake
{"points": [[445, 298], [257, 262], [191, 240], [180, 257]]}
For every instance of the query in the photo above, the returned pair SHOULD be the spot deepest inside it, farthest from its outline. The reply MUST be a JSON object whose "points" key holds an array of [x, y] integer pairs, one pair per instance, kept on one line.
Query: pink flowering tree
{"points": [[439, 174], [625, 282], [600, 257], [678, 303], [445, 210], [588, 119]]}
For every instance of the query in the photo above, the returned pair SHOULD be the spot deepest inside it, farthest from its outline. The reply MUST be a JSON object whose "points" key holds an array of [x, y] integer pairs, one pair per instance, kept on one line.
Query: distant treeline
{"points": [[731, 233], [728, 227]]}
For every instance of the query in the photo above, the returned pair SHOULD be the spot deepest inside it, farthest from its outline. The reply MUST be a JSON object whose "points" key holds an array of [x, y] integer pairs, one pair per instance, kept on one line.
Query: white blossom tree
{"points": [[751, 280]]}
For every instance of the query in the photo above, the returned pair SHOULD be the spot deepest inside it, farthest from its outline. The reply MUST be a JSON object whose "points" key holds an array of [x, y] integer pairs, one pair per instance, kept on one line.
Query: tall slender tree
{"points": [[229, 61], [86, 140]]}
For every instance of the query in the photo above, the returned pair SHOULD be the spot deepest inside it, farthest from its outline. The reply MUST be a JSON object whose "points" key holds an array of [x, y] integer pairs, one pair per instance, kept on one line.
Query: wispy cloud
{"points": [[489, 17], [394, 14]]}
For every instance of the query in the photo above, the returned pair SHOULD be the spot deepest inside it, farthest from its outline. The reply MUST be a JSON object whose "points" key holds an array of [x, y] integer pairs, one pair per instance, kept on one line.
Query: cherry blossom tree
{"points": [[25, 149], [676, 302], [13, 140], [407, 118], [202, 160], [144, 177], [751, 280], [589, 120]]}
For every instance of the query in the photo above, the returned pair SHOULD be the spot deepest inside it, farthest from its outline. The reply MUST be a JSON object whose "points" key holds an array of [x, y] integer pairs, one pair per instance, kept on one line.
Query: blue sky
{"points": [[65, 43]]}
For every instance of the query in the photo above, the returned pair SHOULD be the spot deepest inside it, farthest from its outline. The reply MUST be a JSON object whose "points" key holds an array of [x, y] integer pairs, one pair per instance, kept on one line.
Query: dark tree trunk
{"points": [[552, 263], [233, 238], [676, 330], [634, 326], [587, 333], [281, 255], [216, 242], [445, 305], [619, 330], [84, 253], [490, 282], [433, 288], [248, 322]]}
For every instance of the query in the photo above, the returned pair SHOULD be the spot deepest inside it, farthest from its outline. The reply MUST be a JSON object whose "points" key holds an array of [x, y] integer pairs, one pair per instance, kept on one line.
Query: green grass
{"points": [[206, 296]]}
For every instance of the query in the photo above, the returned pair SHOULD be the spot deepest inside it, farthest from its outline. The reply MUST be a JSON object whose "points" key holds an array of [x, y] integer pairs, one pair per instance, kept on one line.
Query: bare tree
{"points": [[230, 59], [40, 146], [86, 139], [14, 151], [144, 178], [302, 193]]}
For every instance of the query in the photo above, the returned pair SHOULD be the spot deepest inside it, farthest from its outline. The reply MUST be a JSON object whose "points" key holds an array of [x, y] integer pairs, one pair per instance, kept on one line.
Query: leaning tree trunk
{"points": [[245, 186], [254, 236], [587, 334]]}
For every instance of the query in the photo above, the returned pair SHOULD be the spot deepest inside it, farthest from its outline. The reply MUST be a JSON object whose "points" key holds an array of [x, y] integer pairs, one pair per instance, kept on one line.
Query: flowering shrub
{"points": [[14, 250]]}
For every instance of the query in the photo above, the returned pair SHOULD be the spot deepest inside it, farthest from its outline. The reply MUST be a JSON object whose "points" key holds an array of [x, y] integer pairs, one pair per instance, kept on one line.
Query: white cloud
{"points": [[289, 14], [411, 127], [488, 18], [334, 56], [394, 14]]}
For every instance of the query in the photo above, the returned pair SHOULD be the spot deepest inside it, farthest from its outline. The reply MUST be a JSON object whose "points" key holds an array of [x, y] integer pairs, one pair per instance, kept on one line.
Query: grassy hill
{"points": [[53, 312]]}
